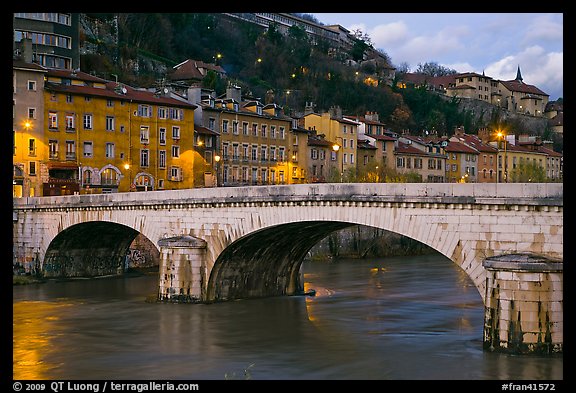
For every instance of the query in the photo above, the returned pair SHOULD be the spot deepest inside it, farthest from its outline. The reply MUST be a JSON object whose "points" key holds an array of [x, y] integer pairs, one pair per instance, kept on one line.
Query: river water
{"points": [[400, 318]]}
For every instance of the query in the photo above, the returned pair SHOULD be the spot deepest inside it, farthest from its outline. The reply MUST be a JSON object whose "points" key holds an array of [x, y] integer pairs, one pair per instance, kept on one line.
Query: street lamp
{"points": [[502, 135], [217, 158], [336, 148]]}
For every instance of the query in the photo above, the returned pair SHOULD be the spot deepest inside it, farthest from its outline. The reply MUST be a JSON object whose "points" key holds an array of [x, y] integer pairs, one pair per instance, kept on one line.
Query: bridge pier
{"points": [[182, 269], [524, 305]]}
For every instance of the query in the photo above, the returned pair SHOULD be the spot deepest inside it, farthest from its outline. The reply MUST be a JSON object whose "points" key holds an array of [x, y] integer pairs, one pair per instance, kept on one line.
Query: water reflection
{"points": [[37, 327], [392, 318]]}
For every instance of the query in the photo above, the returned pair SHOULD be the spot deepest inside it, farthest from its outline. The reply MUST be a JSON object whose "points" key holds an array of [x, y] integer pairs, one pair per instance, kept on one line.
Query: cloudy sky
{"points": [[493, 43]]}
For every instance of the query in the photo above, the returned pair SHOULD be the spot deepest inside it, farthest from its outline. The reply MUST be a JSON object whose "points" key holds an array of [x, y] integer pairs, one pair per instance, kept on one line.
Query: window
{"points": [[109, 177], [314, 154], [87, 176], [144, 134], [175, 133], [263, 128], [281, 154], [160, 183], [109, 103], [88, 151], [244, 128], [70, 122], [162, 135], [31, 147], [144, 110], [69, 98], [283, 133], [53, 149], [32, 85], [162, 159], [144, 157], [161, 112], [273, 153], [32, 168], [245, 152], [211, 123], [254, 152], [53, 120], [254, 129], [70, 150], [352, 158], [175, 151], [225, 126], [109, 123], [235, 127], [175, 114], [87, 121], [273, 132], [175, 173], [263, 150], [109, 150]]}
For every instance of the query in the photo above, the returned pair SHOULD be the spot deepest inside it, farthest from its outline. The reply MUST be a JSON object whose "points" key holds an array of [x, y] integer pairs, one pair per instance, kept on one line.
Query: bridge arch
{"points": [[88, 249], [266, 262]]}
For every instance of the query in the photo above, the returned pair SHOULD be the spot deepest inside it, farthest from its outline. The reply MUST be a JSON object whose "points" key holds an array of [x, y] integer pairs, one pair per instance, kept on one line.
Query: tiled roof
{"points": [[459, 147], [557, 120], [476, 142], [521, 87], [110, 92], [204, 130], [404, 148], [21, 64]]}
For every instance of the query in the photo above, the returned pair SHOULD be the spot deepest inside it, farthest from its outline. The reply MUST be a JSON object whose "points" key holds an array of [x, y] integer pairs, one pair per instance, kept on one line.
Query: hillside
{"points": [[142, 48]]}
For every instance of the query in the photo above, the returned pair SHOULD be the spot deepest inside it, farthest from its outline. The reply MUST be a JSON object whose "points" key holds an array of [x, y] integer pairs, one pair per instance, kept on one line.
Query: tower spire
{"points": [[518, 75]]}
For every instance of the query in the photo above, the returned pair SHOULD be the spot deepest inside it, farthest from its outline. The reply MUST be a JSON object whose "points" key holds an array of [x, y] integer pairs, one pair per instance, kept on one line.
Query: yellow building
{"points": [[340, 130], [108, 137], [255, 143], [29, 152], [523, 98], [461, 163]]}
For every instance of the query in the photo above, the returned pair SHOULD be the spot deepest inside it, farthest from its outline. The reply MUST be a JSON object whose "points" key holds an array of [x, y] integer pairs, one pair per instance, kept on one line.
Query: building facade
{"points": [[29, 152], [108, 137]]}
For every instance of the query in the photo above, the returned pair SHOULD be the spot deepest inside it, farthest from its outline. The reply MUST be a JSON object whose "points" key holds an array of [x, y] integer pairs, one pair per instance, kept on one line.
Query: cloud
{"points": [[426, 49], [389, 34], [545, 28], [542, 69]]}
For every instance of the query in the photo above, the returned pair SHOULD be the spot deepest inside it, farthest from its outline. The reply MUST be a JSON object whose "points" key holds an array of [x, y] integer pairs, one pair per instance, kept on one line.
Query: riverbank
{"points": [[27, 279], [132, 272]]}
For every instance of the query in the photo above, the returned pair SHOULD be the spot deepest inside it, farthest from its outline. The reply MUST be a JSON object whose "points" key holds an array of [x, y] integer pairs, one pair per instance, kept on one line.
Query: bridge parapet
{"points": [[535, 194]]}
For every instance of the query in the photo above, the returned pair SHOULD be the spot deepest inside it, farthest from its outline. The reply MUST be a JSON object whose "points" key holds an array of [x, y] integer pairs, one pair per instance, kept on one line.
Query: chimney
{"points": [[309, 108], [234, 92], [372, 116], [335, 112]]}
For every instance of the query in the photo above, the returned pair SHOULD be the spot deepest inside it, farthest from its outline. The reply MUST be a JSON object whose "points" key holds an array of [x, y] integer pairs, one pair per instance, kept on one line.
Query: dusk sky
{"points": [[493, 43]]}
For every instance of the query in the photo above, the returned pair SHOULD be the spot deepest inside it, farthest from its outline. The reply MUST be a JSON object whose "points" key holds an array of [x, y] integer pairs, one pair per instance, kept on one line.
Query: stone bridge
{"points": [[221, 244]]}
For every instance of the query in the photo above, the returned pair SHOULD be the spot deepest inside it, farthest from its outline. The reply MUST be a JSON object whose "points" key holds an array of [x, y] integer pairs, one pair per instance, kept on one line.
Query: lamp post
{"points": [[217, 159], [336, 148], [502, 135]]}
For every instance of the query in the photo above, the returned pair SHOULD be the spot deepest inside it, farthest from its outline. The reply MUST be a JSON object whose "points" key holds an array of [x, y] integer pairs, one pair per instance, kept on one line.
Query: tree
{"points": [[434, 69], [528, 172]]}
